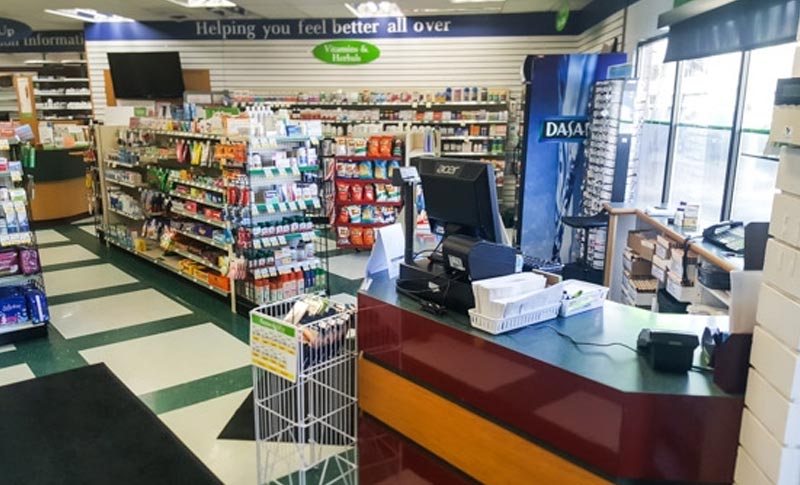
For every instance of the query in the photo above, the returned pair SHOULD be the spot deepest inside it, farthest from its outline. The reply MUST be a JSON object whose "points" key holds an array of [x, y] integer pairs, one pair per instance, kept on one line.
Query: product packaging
{"points": [[386, 146], [357, 236], [342, 192], [380, 170], [357, 191], [9, 262], [365, 170], [369, 237], [343, 234], [37, 305], [29, 261], [369, 193], [354, 212], [368, 214]]}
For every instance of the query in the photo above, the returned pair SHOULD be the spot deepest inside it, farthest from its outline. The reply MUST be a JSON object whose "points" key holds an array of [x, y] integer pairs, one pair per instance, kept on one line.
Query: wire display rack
{"points": [[304, 381]]}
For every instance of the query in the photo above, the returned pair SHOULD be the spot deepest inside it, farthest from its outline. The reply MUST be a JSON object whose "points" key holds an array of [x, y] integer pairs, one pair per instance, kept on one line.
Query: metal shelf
{"points": [[197, 259], [124, 184], [217, 205], [126, 215], [169, 265], [197, 185], [203, 239], [198, 217]]}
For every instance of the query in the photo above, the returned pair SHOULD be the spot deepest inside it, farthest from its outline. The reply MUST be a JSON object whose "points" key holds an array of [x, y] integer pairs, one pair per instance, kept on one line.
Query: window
{"points": [[656, 85], [706, 106], [756, 172]]}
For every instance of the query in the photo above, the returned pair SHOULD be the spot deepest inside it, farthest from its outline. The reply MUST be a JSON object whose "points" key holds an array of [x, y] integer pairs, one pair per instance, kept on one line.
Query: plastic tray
{"points": [[502, 325]]}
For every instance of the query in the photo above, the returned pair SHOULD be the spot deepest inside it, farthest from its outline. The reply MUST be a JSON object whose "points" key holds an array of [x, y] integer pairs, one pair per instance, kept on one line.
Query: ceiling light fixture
{"points": [[87, 15], [375, 9], [203, 3]]}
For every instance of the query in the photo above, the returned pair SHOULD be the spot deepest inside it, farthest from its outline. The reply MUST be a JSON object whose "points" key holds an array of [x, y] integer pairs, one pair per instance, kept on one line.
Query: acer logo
{"points": [[447, 169], [565, 129]]}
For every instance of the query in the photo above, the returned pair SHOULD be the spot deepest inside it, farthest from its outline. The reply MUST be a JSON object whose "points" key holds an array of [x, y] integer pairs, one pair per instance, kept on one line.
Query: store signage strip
{"points": [[46, 41], [528, 24]]}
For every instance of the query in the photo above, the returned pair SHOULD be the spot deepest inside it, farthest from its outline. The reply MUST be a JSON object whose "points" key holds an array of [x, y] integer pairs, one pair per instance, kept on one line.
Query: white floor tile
{"points": [[87, 220], [350, 266], [86, 317], [167, 359], [84, 279], [233, 461], [15, 373], [65, 254], [47, 236], [89, 229], [7, 348]]}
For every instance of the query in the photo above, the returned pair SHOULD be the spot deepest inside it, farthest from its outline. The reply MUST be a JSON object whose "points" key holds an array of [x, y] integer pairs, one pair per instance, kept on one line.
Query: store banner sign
{"points": [[536, 23], [556, 108], [47, 41], [564, 129], [346, 52], [12, 30]]}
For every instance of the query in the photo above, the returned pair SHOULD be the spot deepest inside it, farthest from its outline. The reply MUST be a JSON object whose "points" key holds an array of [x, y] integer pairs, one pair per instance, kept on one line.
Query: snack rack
{"points": [[24, 316], [304, 387], [365, 198]]}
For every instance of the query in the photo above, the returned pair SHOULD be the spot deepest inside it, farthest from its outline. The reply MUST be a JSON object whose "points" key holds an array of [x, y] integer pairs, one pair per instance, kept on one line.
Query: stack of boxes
{"points": [[769, 451], [638, 285]]}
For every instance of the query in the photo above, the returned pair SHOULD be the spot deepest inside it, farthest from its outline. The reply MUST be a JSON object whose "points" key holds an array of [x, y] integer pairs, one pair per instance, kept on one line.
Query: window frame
{"points": [[731, 169]]}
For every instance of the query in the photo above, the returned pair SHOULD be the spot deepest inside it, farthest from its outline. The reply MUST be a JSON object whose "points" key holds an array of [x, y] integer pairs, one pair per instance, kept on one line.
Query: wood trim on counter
{"points": [[480, 448]]}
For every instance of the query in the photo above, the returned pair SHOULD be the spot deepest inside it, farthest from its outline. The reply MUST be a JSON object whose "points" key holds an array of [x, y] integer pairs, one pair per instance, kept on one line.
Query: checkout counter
{"points": [[447, 403], [59, 184]]}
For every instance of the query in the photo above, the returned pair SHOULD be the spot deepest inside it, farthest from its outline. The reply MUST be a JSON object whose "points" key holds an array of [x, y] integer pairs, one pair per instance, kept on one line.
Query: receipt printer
{"points": [[668, 351], [476, 258]]}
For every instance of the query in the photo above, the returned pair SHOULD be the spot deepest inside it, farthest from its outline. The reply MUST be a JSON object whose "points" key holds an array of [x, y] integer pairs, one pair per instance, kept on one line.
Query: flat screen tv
{"points": [[146, 75]]}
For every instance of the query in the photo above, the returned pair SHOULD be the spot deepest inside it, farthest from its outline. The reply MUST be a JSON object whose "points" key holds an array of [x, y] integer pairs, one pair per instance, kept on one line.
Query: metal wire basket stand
{"points": [[305, 403]]}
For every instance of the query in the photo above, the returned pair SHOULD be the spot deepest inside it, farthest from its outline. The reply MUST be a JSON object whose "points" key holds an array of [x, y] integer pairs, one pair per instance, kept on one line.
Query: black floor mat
{"points": [[84, 426]]}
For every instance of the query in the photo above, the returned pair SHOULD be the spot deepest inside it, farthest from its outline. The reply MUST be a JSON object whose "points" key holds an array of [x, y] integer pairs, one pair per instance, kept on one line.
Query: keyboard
{"points": [[531, 262]]}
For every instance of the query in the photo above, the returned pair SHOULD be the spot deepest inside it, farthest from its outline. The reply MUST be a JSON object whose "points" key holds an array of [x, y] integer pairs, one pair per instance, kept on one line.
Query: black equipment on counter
{"points": [[668, 351]]}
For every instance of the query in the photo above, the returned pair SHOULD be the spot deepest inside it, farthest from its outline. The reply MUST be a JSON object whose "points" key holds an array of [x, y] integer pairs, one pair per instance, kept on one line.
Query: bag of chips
{"points": [[354, 212], [344, 215], [369, 193], [360, 148], [351, 146], [369, 237], [351, 170], [380, 170], [343, 235], [380, 193], [341, 145], [397, 147], [393, 165], [365, 170], [386, 146], [357, 236], [373, 147], [368, 214], [342, 192], [357, 191]]}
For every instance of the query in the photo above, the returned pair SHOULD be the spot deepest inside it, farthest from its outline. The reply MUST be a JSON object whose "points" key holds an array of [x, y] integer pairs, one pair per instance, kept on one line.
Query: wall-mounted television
{"points": [[146, 75]]}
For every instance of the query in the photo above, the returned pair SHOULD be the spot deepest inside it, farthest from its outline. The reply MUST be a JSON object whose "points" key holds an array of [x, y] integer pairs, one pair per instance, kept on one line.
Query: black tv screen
{"points": [[146, 75]]}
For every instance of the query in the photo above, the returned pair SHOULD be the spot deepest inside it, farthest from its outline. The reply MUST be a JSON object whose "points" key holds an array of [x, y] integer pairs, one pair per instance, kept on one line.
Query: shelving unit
{"points": [[351, 202], [202, 234], [67, 91], [23, 312]]}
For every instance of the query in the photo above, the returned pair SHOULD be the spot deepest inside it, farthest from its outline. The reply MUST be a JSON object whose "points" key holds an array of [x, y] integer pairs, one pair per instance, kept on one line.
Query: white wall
{"points": [[412, 63], [642, 21]]}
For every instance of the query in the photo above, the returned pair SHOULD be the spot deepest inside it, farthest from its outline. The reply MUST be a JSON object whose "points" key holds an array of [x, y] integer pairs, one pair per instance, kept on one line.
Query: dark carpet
{"points": [[85, 427]]}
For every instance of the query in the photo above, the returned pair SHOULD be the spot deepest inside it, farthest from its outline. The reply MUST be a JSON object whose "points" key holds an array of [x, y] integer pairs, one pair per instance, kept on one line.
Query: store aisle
{"points": [[174, 345]]}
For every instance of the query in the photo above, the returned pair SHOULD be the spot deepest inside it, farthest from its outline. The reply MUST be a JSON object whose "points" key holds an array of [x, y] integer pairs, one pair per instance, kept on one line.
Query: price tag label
{"points": [[414, 105], [283, 207], [428, 105]]}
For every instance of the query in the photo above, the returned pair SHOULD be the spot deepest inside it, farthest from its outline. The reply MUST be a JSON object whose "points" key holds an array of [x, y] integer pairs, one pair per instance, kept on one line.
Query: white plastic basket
{"points": [[501, 325]]}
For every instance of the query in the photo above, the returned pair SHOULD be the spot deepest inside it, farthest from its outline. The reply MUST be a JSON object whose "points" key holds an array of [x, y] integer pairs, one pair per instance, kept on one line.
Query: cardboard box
{"points": [[780, 464], [747, 471], [659, 273], [664, 246], [773, 307], [776, 363], [676, 264], [780, 416], [642, 243], [685, 294], [636, 265], [221, 282]]}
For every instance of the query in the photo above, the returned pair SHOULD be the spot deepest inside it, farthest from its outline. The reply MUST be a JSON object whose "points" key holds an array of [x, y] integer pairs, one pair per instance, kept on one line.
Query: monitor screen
{"points": [[146, 75], [460, 197]]}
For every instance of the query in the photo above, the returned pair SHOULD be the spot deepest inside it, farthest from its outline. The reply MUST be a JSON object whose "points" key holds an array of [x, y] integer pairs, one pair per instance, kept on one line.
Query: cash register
{"points": [[461, 203]]}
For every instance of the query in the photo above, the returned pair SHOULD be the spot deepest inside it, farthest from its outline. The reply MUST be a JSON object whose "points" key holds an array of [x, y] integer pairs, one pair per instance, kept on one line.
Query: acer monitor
{"points": [[461, 198]]}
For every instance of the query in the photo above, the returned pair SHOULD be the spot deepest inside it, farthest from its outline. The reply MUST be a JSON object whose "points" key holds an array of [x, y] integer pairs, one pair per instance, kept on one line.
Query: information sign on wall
{"points": [[12, 30], [346, 52]]}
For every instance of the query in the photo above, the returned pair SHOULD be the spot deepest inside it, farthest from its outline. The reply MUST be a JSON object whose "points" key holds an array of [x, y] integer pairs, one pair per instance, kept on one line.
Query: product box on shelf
{"points": [[642, 243], [636, 265], [221, 282], [659, 269], [676, 264], [664, 246], [685, 294]]}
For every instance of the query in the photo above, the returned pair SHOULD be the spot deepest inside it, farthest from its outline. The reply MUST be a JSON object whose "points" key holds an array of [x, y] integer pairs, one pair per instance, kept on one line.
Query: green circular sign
{"points": [[346, 52]]}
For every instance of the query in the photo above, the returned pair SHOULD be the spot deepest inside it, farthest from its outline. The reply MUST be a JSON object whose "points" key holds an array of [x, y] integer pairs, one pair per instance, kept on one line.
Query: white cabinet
{"points": [[785, 223], [780, 464], [779, 415], [782, 269], [778, 364], [780, 315]]}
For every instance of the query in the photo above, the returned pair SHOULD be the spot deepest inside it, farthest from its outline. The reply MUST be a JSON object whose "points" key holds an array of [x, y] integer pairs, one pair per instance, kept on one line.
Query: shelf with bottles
{"points": [[197, 181], [199, 196], [448, 96]]}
